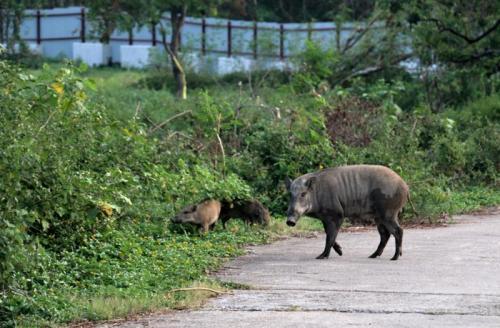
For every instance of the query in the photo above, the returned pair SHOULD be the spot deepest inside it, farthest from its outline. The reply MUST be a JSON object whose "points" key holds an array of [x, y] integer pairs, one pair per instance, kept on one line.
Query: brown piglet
{"points": [[204, 214]]}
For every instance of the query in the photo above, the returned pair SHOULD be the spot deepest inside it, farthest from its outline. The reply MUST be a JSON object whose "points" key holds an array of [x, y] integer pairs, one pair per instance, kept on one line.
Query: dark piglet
{"points": [[357, 191], [251, 211]]}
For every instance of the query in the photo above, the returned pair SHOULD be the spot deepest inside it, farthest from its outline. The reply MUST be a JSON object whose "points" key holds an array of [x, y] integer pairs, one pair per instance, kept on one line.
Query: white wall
{"points": [[216, 39]]}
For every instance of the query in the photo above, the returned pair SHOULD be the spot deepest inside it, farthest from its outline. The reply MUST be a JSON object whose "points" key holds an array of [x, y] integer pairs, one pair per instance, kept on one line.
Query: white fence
{"points": [[221, 45]]}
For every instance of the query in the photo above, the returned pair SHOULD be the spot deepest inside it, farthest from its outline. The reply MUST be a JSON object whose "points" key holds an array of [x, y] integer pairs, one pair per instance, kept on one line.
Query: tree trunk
{"points": [[2, 13], [16, 29], [178, 14]]}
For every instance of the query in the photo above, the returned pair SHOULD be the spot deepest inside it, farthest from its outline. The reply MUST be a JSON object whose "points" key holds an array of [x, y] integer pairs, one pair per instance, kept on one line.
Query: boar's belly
{"points": [[358, 208]]}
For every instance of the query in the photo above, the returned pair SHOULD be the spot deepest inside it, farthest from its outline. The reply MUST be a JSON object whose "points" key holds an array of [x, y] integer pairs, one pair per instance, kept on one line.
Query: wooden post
{"points": [[38, 27], [282, 42], [203, 36], [130, 37], [309, 32], [153, 34], [229, 38], [255, 40], [82, 25], [180, 39]]}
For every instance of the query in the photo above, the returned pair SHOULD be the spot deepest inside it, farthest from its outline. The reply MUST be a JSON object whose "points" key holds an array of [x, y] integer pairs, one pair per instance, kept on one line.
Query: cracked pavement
{"points": [[447, 277]]}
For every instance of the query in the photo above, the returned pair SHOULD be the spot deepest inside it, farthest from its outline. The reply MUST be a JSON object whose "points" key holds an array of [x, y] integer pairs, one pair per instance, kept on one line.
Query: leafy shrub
{"points": [[274, 151], [73, 175], [316, 66], [164, 80]]}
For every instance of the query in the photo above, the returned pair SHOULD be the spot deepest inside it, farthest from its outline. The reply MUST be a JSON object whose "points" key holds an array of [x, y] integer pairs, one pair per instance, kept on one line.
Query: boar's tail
{"points": [[412, 206]]}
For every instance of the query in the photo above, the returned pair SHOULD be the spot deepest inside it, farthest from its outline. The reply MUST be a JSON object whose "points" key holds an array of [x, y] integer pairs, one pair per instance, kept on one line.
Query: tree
{"points": [[297, 10], [458, 33], [376, 45], [131, 16], [456, 42], [178, 10], [11, 15], [105, 14]]}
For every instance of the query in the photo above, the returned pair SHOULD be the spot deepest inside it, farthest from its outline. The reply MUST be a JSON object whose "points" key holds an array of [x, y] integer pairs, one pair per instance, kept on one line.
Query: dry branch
{"points": [[162, 124], [198, 288]]}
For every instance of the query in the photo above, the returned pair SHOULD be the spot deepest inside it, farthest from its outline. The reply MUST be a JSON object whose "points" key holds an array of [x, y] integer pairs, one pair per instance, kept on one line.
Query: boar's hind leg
{"points": [[224, 220], [393, 227], [384, 237], [331, 228]]}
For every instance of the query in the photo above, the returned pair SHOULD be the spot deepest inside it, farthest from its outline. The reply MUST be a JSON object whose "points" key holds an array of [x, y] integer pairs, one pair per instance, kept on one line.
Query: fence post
{"points": [[203, 36], [82, 25], [130, 37], [38, 27], [153, 34], [229, 45], [282, 42], [309, 31], [255, 40], [180, 39]]}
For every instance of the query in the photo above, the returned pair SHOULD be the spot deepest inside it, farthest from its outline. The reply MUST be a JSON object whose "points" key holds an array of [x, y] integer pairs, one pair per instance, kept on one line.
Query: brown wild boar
{"points": [[204, 214], [251, 211], [350, 191]]}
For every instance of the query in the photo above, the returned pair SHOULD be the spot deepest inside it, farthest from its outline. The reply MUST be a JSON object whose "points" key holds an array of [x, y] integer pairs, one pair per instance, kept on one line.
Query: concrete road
{"points": [[447, 277]]}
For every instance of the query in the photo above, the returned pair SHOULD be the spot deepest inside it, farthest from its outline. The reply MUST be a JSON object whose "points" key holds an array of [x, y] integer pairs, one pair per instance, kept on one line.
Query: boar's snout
{"points": [[291, 220], [291, 217], [176, 219]]}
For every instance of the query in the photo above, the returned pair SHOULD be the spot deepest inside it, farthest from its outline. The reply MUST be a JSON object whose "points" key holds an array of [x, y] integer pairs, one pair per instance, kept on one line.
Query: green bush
{"points": [[73, 176]]}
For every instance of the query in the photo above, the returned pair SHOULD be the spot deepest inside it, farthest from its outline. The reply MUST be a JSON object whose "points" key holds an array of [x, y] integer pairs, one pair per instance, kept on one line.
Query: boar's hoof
{"points": [[322, 256], [374, 255], [395, 257], [337, 248]]}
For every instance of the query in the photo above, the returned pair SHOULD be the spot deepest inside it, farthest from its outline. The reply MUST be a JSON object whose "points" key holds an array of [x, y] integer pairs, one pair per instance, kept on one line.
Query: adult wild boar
{"points": [[350, 191], [251, 211], [204, 214]]}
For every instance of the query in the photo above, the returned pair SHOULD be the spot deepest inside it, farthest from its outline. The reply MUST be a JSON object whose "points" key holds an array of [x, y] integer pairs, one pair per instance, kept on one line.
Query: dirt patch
{"points": [[492, 210], [351, 121]]}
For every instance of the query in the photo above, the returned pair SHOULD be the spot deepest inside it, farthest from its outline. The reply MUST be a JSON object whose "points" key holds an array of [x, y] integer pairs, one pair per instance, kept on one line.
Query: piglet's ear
{"points": [[310, 182], [288, 183]]}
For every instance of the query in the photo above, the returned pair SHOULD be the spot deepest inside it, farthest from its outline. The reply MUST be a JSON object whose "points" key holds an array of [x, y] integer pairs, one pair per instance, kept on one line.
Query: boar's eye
{"points": [[303, 194]]}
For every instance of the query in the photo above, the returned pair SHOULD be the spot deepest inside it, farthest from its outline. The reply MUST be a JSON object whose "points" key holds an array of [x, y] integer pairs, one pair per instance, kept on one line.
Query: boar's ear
{"points": [[310, 182], [288, 183]]}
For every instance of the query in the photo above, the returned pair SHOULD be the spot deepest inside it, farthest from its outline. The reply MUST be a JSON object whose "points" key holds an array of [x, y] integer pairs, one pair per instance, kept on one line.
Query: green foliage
{"points": [[74, 177], [462, 35], [318, 65]]}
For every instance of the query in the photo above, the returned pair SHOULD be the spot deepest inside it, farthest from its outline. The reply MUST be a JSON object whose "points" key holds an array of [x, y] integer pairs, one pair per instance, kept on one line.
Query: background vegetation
{"points": [[95, 162]]}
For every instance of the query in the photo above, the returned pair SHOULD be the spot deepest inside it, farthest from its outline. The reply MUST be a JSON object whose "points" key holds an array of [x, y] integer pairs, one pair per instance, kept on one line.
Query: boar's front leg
{"points": [[336, 246], [331, 226]]}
